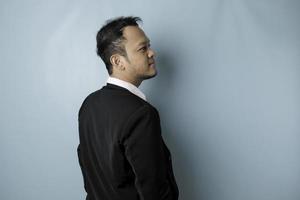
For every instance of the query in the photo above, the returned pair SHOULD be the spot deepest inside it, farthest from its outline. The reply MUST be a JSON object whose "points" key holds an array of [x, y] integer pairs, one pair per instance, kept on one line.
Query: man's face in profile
{"points": [[140, 61]]}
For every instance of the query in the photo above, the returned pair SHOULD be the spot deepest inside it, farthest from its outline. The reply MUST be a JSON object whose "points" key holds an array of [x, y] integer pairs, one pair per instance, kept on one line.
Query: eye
{"points": [[144, 48]]}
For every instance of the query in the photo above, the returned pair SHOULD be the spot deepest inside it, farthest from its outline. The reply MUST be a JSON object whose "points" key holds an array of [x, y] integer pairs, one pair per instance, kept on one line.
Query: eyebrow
{"points": [[143, 42]]}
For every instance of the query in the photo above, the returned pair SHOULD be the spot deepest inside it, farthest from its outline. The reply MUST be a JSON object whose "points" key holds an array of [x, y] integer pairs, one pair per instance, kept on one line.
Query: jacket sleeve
{"points": [[144, 151]]}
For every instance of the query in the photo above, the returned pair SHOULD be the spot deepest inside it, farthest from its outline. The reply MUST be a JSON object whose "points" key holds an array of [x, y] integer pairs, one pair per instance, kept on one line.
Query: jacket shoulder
{"points": [[86, 102], [115, 100]]}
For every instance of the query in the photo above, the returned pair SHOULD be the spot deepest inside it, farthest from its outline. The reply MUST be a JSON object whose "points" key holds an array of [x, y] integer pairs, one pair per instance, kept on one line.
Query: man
{"points": [[121, 153]]}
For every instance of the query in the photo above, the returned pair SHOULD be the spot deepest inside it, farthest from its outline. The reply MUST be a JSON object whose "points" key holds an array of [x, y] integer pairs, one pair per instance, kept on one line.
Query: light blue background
{"points": [[228, 93]]}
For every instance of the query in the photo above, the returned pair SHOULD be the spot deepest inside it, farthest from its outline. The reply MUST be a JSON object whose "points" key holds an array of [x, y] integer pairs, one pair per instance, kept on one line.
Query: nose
{"points": [[151, 53]]}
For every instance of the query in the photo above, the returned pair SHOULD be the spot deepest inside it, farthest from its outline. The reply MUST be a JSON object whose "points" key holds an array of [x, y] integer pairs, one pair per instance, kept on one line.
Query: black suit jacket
{"points": [[121, 153]]}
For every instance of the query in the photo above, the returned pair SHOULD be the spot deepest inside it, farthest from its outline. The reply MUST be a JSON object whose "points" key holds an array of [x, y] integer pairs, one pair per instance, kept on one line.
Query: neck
{"points": [[137, 83]]}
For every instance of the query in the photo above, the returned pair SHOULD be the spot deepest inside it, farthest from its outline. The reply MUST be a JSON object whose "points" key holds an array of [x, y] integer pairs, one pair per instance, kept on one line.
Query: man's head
{"points": [[125, 50]]}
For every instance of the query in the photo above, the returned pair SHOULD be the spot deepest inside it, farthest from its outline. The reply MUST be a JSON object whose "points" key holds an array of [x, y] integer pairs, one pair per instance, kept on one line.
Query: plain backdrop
{"points": [[227, 90]]}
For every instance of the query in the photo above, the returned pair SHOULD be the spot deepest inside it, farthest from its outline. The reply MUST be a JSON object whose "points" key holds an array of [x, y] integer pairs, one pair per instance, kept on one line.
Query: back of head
{"points": [[110, 38]]}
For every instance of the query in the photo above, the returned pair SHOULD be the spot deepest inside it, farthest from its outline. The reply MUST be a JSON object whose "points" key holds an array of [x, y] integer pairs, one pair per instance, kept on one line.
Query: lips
{"points": [[152, 63]]}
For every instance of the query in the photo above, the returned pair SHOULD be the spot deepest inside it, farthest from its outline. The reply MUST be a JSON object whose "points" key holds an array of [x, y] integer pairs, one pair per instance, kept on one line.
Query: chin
{"points": [[148, 76]]}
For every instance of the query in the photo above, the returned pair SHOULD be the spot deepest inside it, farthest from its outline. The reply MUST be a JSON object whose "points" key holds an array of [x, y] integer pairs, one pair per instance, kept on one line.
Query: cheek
{"points": [[140, 62]]}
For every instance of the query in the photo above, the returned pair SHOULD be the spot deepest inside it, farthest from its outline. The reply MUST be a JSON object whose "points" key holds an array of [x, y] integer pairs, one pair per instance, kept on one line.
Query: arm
{"points": [[144, 151]]}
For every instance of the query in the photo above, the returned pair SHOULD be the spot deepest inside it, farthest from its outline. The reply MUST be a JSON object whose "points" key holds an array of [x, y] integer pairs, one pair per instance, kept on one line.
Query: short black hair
{"points": [[110, 38]]}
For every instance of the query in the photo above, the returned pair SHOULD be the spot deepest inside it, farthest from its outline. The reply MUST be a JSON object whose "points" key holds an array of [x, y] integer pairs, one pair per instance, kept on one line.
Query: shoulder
{"points": [[117, 101], [85, 104], [145, 110], [90, 100], [143, 122], [146, 114]]}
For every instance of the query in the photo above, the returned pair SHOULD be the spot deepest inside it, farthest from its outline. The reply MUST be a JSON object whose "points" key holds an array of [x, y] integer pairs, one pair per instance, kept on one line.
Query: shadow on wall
{"points": [[163, 94]]}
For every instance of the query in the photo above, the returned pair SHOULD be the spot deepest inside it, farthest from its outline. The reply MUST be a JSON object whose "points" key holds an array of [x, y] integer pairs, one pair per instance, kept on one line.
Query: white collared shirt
{"points": [[129, 86]]}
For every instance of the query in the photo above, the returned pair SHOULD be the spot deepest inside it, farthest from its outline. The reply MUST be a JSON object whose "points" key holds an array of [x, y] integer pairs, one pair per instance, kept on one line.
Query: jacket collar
{"points": [[129, 86]]}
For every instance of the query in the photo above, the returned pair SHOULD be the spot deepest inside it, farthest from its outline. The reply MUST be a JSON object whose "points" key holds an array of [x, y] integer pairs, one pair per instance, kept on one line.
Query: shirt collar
{"points": [[132, 88]]}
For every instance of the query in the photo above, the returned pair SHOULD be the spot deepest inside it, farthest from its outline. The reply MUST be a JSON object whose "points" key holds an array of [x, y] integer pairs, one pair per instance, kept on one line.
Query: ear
{"points": [[116, 61]]}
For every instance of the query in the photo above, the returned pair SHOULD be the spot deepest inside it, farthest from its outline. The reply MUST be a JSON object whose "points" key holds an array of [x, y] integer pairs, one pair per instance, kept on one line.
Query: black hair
{"points": [[110, 38]]}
